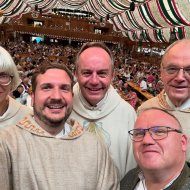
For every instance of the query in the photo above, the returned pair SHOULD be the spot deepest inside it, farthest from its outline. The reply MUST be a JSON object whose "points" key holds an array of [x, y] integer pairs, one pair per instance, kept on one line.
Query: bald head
{"points": [[185, 43]]}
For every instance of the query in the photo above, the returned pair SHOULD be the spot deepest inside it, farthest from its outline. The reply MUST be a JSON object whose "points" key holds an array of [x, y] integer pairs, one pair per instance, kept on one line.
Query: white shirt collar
{"points": [[184, 106], [142, 186], [64, 132]]}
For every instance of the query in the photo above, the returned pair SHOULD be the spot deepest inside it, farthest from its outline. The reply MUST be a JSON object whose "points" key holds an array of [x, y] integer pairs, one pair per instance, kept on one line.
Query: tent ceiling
{"points": [[151, 21]]}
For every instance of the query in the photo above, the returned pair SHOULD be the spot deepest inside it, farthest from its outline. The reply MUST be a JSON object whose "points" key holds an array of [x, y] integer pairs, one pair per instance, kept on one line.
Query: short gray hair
{"points": [[162, 110], [94, 44], [8, 66]]}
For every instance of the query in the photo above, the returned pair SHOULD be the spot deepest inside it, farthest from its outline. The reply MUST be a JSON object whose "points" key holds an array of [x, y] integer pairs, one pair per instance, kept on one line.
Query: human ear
{"points": [[184, 142], [32, 99]]}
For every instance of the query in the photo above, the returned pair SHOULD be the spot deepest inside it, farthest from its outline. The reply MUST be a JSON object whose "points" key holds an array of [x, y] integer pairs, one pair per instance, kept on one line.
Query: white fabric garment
{"points": [[111, 119], [15, 112]]}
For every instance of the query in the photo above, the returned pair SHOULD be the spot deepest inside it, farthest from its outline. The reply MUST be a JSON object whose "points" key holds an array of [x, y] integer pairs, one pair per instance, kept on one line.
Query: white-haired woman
{"points": [[11, 111]]}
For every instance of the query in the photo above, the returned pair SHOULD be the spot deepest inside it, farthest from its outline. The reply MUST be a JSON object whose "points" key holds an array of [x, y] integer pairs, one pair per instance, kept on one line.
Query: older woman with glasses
{"points": [[159, 147], [10, 110]]}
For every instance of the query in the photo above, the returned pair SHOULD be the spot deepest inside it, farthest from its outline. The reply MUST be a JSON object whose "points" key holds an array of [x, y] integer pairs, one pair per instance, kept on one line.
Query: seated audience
{"points": [[143, 83], [131, 97]]}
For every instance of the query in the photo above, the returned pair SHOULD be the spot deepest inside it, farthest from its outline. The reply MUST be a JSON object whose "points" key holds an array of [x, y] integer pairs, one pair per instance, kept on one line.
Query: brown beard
{"points": [[50, 121]]}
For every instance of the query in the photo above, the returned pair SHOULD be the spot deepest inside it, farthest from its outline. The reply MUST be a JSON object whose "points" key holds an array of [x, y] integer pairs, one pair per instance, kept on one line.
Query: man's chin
{"points": [[179, 94], [178, 99], [55, 122]]}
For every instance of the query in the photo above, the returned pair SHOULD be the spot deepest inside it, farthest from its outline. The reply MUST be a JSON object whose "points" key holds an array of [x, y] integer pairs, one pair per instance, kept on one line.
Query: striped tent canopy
{"points": [[145, 20]]}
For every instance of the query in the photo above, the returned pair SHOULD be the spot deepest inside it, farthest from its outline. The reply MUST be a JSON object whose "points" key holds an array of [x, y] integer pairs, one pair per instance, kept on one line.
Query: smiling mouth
{"points": [[179, 87], [149, 151], [94, 89], [97, 90], [55, 106]]}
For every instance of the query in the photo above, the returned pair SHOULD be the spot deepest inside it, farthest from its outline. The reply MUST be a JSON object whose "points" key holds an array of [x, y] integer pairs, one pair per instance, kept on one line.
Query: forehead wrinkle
{"points": [[177, 63], [173, 53], [153, 117]]}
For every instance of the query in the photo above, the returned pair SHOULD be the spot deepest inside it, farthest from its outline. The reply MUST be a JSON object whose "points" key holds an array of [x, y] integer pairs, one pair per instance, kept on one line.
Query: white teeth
{"points": [[55, 107], [94, 89]]}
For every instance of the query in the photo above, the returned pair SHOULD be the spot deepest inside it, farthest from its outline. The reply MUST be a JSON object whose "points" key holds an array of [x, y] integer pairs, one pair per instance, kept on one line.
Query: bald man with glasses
{"points": [[175, 75], [159, 147]]}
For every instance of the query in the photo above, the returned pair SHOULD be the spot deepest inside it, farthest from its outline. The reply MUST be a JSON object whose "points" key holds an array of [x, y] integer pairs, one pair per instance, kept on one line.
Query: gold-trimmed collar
{"points": [[164, 104], [29, 124]]}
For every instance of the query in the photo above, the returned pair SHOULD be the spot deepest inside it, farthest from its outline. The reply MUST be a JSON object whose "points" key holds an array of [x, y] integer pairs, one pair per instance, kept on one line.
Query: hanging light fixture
{"points": [[36, 11], [173, 36]]}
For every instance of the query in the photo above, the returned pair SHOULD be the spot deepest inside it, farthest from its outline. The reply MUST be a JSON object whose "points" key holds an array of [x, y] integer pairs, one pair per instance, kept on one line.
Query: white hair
{"points": [[8, 66]]}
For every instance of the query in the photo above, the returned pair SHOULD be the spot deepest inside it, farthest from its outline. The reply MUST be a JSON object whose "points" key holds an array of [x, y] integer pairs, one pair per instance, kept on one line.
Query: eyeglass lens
{"points": [[157, 132], [175, 70], [5, 79]]}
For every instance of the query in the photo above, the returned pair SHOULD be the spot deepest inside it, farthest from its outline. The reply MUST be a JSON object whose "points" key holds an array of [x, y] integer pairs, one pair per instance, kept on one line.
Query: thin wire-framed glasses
{"points": [[156, 132], [173, 70], [5, 79]]}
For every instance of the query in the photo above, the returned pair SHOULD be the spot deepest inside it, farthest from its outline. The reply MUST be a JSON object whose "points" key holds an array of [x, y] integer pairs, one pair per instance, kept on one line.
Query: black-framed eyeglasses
{"points": [[173, 70], [5, 79], [156, 132]]}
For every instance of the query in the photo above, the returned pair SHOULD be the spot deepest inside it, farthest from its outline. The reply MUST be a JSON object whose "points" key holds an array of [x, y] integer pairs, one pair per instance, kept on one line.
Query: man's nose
{"points": [[147, 137], [181, 74], [56, 93], [94, 78]]}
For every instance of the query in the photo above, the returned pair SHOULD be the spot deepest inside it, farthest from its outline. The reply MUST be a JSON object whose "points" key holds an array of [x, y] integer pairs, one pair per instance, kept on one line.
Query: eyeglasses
{"points": [[172, 70], [5, 79], [156, 132]]}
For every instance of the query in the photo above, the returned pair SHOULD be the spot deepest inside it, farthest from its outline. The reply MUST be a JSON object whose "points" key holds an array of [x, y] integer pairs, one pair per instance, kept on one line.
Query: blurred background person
{"points": [[131, 97], [23, 94]]}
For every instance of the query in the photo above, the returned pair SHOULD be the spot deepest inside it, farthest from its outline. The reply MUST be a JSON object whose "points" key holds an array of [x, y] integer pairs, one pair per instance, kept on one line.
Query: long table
{"points": [[144, 94]]}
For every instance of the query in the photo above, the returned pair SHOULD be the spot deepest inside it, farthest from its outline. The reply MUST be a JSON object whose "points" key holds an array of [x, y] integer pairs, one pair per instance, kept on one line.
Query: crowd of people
{"points": [[77, 132], [28, 56]]}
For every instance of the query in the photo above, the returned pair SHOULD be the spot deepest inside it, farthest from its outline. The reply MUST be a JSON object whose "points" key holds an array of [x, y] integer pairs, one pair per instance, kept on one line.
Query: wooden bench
{"points": [[144, 95]]}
